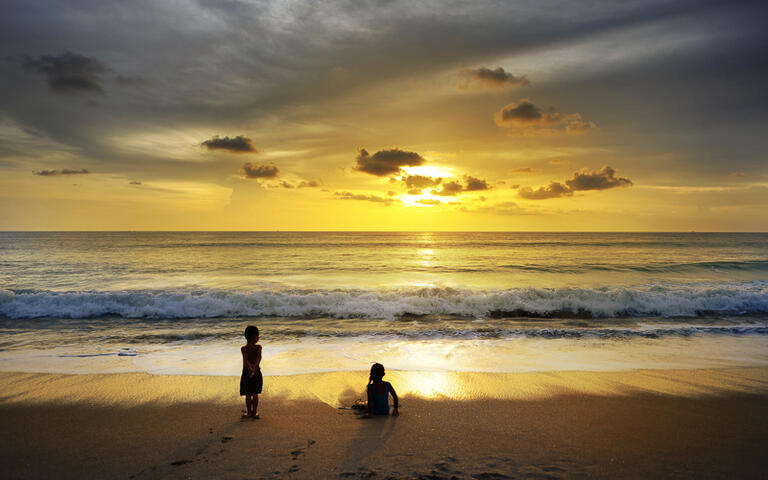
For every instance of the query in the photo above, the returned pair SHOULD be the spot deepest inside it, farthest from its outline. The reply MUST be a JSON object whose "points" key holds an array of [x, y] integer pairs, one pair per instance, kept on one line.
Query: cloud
{"points": [[449, 189], [553, 190], [66, 171], [134, 182], [416, 183], [579, 127], [69, 72], [130, 80], [453, 188], [600, 180], [738, 175], [582, 180], [522, 170], [386, 162], [302, 184], [238, 144], [421, 181], [503, 208], [535, 121], [486, 78], [429, 201], [253, 170], [475, 184], [367, 198]]}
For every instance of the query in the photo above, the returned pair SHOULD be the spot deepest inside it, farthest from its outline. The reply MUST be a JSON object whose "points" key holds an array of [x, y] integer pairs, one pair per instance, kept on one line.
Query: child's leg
{"points": [[256, 404], [249, 404]]}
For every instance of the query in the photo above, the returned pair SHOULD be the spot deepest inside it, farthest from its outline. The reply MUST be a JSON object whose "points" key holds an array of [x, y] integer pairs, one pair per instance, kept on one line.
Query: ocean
{"points": [[177, 303]]}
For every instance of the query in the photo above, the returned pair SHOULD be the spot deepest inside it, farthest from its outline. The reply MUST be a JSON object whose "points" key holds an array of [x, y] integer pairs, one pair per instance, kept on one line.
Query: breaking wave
{"points": [[668, 301]]}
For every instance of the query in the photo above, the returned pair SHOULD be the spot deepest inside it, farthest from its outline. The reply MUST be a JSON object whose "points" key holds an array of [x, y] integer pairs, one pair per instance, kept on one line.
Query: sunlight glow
{"points": [[434, 171]]}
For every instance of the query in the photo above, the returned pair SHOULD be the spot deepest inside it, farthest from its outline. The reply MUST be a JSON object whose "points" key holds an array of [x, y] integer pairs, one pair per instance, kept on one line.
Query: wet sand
{"points": [[641, 424]]}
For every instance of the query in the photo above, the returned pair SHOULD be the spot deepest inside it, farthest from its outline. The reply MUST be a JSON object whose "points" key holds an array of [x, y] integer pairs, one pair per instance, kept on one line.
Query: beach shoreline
{"points": [[638, 424]]}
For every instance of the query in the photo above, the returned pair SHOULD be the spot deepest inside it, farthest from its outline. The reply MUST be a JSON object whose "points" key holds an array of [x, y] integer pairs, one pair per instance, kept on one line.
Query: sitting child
{"points": [[379, 391]]}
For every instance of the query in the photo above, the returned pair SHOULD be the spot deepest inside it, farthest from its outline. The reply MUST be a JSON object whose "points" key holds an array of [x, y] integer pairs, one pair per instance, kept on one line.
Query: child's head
{"points": [[377, 372], [251, 333]]}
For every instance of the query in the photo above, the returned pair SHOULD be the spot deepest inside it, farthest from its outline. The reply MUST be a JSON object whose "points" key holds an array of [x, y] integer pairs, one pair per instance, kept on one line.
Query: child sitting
{"points": [[379, 391]]}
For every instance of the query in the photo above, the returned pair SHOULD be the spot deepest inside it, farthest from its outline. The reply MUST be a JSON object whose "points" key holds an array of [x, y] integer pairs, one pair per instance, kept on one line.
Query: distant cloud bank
{"points": [[66, 171]]}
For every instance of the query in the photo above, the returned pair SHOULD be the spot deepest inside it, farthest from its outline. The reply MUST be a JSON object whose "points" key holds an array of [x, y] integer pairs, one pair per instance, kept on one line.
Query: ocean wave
{"points": [[492, 333], [669, 301]]}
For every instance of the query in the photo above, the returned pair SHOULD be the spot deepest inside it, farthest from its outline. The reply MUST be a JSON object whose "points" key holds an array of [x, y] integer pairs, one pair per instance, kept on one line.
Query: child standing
{"points": [[379, 392], [251, 380]]}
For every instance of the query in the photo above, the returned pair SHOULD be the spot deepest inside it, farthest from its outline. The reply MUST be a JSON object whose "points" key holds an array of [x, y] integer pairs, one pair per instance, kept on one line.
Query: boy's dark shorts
{"points": [[251, 385]]}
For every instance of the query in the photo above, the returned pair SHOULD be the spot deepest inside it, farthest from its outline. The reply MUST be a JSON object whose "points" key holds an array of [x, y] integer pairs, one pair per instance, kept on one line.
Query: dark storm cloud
{"points": [[473, 184], [69, 72], [238, 144], [367, 198], [449, 189], [495, 79], [582, 180], [252, 170], [66, 171], [386, 162]]}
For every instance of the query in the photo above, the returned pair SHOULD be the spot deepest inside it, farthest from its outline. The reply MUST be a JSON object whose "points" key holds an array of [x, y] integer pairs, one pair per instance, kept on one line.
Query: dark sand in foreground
{"points": [[145, 427]]}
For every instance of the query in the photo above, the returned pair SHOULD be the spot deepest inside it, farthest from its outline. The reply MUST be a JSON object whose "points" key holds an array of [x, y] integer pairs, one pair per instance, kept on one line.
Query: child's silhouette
{"points": [[379, 391], [251, 380]]}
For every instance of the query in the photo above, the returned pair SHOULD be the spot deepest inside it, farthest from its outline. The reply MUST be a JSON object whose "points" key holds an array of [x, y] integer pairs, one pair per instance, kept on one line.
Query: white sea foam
{"points": [[681, 300]]}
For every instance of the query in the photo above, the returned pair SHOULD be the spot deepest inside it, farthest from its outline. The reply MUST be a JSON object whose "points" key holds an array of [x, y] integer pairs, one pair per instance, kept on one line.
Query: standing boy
{"points": [[251, 380]]}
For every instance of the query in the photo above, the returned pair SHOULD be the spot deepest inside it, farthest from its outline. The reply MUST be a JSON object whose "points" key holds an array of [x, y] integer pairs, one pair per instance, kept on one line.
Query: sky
{"points": [[383, 115]]}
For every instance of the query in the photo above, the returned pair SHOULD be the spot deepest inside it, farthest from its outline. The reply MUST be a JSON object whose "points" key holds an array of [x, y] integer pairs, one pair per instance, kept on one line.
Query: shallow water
{"points": [[505, 302]]}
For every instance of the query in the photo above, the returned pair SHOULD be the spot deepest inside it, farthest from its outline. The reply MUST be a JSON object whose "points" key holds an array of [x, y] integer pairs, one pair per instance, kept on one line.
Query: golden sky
{"points": [[213, 115]]}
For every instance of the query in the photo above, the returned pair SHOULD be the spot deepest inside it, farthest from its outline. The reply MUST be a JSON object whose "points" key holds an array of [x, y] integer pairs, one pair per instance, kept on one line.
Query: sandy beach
{"points": [[640, 424]]}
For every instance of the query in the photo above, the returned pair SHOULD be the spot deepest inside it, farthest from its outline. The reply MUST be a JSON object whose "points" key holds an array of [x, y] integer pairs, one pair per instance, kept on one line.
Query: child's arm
{"points": [[257, 363], [394, 400], [247, 363]]}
